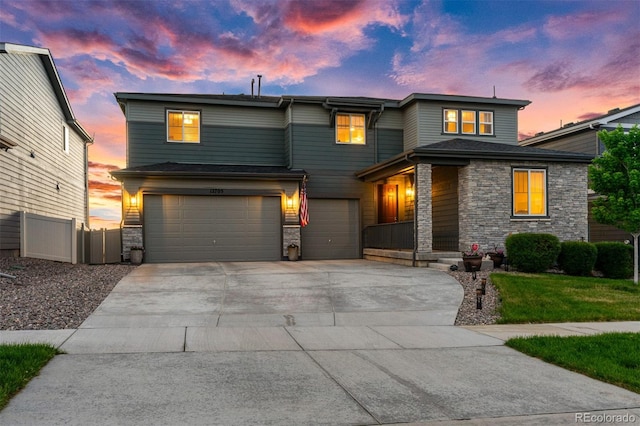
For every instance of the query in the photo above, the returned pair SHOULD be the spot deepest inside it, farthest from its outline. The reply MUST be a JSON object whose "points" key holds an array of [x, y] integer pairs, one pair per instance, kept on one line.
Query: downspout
{"points": [[86, 181], [291, 134]]}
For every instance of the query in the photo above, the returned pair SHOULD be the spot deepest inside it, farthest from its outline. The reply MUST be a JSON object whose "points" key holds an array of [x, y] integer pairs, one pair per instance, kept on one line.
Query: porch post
{"points": [[423, 211]]}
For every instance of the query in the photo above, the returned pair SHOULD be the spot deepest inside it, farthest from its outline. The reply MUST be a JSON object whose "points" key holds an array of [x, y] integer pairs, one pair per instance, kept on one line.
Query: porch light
{"points": [[409, 192], [134, 201], [289, 202]]}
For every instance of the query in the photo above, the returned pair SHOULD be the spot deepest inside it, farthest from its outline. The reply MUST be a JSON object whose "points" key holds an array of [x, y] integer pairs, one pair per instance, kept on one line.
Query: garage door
{"points": [[333, 231], [180, 228]]}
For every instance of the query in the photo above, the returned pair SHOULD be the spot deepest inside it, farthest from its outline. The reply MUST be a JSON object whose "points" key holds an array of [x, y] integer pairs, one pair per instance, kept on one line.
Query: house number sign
{"points": [[216, 191]]}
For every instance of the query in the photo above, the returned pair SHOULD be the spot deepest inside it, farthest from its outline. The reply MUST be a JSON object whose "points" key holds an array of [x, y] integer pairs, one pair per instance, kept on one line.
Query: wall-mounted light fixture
{"points": [[134, 200], [289, 202], [409, 192]]}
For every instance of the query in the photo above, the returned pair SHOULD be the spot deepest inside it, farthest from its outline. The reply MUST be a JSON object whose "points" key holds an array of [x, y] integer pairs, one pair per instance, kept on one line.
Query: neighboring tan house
{"points": [[43, 156], [583, 137], [219, 177]]}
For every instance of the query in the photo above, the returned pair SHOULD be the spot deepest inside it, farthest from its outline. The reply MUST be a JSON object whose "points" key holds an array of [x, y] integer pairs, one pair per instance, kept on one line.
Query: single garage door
{"points": [[181, 228], [333, 231]]}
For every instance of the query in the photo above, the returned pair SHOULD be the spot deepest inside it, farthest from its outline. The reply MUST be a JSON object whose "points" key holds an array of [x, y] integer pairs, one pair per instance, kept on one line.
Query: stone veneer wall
{"points": [[424, 207], [485, 199], [131, 236], [290, 235]]}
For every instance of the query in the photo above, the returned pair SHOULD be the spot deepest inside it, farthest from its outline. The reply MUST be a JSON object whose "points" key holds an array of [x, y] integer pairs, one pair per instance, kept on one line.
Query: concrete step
{"points": [[440, 266]]}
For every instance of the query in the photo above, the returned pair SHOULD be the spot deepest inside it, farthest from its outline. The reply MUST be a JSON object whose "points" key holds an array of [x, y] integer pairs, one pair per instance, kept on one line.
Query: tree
{"points": [[615, 176]]}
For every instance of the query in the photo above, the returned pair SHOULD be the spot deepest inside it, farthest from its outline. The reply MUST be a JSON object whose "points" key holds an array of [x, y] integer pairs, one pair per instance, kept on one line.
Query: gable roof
{"points": [[56, 83], [606, 121], [459, 152]]}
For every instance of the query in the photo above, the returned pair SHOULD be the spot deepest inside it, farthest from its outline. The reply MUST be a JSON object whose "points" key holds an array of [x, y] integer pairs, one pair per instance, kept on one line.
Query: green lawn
{"points": [[540, 298], [18, 364], [613, 357]]}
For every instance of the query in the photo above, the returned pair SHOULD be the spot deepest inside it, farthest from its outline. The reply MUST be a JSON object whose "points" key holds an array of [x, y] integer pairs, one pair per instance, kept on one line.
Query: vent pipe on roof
{"points": [[259, 84], [253, 80]]}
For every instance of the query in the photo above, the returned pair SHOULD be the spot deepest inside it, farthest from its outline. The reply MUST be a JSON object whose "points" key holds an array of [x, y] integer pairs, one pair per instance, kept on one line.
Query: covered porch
{"points": [[416, 212]]}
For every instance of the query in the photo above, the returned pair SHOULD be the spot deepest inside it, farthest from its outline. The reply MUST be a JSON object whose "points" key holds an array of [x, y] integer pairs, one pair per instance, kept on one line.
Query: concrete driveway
{"points": [[334, 342]]}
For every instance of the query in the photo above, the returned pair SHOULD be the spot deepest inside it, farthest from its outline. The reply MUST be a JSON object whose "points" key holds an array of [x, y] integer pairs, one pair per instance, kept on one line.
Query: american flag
{"points": [[304, 209]]}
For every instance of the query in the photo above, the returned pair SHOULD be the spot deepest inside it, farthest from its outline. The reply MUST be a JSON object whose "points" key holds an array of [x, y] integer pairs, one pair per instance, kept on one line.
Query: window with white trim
{"points": [[467, 122], [65, 139], [183, 126], [451, 121], [529, 192], [351, 129], [486, 122]]}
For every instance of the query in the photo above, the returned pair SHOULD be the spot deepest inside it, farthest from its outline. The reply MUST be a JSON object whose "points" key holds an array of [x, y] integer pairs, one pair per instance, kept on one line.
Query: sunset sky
{"points": [[573, 59]]}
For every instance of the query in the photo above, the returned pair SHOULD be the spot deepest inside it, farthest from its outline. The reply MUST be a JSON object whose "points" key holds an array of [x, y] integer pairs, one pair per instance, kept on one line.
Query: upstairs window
{"points": [[467, 122], [350, 129], [183, 126], [451, 121], [529, 192], [486, 122]]}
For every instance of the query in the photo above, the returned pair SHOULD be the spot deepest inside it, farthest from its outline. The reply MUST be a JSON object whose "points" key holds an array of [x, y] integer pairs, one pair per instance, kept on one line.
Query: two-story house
{"points": [[43, 148], [219, 177], [583, 137]]}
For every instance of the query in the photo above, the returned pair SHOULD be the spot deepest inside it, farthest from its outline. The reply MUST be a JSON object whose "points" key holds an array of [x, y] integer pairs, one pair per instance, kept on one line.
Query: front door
{"points": [[388, 203]]}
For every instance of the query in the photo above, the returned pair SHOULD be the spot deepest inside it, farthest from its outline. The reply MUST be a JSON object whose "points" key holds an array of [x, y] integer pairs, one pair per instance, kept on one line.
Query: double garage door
{"points": [[194, 228], [191, 228]]}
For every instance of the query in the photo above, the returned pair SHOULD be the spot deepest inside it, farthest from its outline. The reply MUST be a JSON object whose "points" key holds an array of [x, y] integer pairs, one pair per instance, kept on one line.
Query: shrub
{"points": [[532, 252], [577, 257], [615, 260]]}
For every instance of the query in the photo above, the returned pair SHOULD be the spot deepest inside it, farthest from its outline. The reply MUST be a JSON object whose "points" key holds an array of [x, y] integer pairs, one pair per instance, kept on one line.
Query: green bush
{"points": [[577, 257], [615, 260], [532, 252]]}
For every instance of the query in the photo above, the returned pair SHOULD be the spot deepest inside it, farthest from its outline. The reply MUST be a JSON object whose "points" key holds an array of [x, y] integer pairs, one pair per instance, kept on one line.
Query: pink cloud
{"points": [[573, 25], [313, 17]]}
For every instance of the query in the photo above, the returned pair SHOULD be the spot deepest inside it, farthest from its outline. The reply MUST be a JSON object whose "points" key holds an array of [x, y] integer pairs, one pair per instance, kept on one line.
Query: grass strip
{"points": [[19, 363], [611, 357], [543, 298]]}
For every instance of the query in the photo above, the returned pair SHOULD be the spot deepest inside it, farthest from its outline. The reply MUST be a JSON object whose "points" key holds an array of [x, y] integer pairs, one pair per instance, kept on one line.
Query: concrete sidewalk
{"points": [[350, 342]]}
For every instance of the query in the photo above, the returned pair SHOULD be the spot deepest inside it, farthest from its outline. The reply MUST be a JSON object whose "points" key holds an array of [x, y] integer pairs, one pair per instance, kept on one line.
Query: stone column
{"points": [[424, 221]]}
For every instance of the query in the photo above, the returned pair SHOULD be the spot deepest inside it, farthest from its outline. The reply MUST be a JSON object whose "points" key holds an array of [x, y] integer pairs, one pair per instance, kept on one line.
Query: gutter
{"points": [[120, 174]]}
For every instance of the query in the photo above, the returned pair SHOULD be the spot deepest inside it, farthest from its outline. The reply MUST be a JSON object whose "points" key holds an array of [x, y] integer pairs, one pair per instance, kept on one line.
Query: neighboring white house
{"points": [[43, 148]]}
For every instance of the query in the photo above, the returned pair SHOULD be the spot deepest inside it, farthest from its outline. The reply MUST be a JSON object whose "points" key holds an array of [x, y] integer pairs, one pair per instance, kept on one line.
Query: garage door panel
{"points": [[212, 228], [333, 231]]}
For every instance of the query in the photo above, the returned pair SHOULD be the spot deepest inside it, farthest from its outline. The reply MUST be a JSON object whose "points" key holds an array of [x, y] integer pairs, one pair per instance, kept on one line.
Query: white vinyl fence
{"points": [[61, 240], [43, 237]]}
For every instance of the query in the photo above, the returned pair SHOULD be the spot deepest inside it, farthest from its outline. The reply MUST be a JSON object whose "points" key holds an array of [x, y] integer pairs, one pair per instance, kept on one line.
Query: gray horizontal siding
{"points": [[585, 142], [31, 116], [211, 115], [315, 148], [218, 145], [310, 114], [505, 121], [391, 119], [389, 143], [411, 127]]}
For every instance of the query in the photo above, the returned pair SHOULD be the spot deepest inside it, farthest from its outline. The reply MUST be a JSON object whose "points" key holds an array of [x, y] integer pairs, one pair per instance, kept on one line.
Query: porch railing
{"points": [[397, 236]]}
